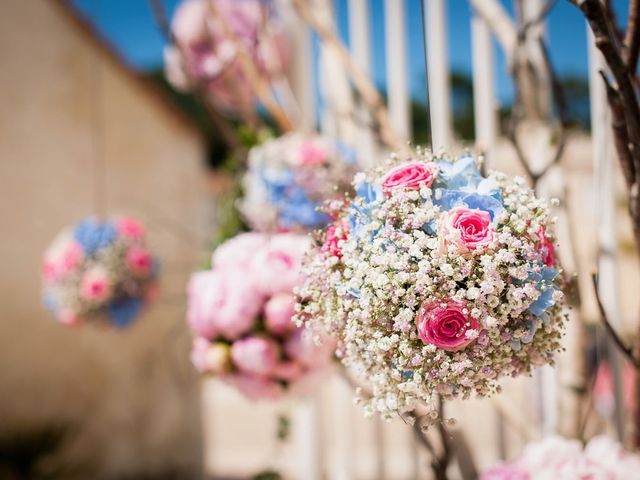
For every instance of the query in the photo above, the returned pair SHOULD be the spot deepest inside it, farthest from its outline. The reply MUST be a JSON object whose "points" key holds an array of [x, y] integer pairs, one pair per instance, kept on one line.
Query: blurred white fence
{"points": [[331, 440]]}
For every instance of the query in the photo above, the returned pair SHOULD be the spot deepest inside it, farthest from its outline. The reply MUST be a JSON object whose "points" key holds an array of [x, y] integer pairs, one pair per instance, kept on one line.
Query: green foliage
{"points": [[268, 475]]}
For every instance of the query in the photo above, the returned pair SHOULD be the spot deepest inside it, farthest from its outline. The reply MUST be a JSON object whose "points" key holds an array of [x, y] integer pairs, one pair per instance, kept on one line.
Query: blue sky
{"points": [[129, 26]]}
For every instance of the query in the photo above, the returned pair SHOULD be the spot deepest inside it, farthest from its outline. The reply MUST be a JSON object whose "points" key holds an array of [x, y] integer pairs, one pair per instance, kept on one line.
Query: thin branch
{"points": [[632, 37], [365, 87], [537, 19], [627, 351]]}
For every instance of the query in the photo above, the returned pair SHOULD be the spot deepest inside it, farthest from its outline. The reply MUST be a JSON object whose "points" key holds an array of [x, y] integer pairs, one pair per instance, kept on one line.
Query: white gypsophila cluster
{"points": [[288, 178], [436, 281]]}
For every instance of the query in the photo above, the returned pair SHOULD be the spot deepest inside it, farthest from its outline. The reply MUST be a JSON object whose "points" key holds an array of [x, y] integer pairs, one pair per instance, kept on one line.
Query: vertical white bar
{"points": [[302, 73], [484, 102], [396, 59], [438, 73], [605, 205], [307, 439]]}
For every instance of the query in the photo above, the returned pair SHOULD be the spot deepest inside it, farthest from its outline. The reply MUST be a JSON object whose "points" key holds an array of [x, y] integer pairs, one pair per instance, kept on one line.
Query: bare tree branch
{"points": [[632, 37]]}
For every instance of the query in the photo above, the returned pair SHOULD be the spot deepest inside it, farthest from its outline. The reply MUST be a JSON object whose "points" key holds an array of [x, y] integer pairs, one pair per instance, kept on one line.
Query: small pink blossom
{"points": [[302, 347], [467, 229], [255, 355], [210, 357], [61, 260], [68, 317], [222, 304], [312, 154], [336, 234], [278, 312], [139, 261], [95, 285], [130, 228], [278, 267], [445, 324], [411, 176], [546, 248]]}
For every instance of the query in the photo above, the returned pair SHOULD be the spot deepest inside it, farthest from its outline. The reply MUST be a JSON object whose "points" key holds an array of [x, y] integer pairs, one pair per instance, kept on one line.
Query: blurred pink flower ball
{"points": [[278, 313]]}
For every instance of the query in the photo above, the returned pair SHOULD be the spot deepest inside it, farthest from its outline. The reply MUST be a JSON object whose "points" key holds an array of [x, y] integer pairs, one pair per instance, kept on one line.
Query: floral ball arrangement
{"points": [[558, 458], [435, 281], [99, 272], [241, 314], [289, 178], [206, 54]]}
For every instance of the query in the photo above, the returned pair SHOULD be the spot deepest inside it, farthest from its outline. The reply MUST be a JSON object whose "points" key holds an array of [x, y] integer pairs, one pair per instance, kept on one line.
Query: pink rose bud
{"points": [[278, 312], [255, 355], [336, 234], [411, 176], [139, 261], [546, 248], [445, 325], [311, 154], [467, 229], [210, 357], [130, 228], [95, 285], [302, 347]]}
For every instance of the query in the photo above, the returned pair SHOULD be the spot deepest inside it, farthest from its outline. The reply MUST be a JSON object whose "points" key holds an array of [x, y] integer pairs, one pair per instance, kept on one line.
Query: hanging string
{"points": [[99, 170]]}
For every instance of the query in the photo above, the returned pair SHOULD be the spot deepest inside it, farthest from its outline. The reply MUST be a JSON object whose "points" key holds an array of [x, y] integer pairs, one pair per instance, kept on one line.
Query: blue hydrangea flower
{"points": [[544, 281], [296, 208], [124, 311], [360, 215], [347, 153], [93, 235]]}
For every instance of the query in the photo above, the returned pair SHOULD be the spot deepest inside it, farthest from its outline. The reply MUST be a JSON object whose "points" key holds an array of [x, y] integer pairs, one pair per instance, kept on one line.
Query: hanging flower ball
{"points": [[241, 313], [206, 55], [290, 177], [99, 272], [435, 281], [556, 457]]}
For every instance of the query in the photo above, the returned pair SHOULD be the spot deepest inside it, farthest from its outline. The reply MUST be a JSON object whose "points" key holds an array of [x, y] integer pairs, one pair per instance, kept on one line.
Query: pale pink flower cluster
{"points": [[557, 458], [206, 54], [241, 310], [99, 271], [290, 177], [435, 280]]}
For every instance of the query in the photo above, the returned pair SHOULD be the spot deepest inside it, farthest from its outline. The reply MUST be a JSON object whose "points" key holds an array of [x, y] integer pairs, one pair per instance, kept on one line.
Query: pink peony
{"points": [[130, 228], [278, 312], [95, 285], [254, 387], [411, 176], [222, 304], [506, 472], [255, 355], [311, 154], [336, 234], [467, 229], [300, 346], [445, 325], [210, 357], [278, 266], [546, 248], [238, 252], [139, 261]]}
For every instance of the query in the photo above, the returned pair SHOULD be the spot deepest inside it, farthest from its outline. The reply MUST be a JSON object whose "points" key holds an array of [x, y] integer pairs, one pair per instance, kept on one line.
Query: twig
{"points": [[627, 351], [632, 37], [259, 85], [366, 89], [537, 19]]}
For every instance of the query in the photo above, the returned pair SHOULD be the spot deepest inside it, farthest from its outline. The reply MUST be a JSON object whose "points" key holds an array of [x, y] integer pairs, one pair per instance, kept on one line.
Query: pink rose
{"points": [[238, 252], [300, 346], [444, 324], [311, 154], [255, 355], [139, 261], [222, 304], [412, 175], [278, 312], [68, 317], [546, 248], [95, 285], [130, 228], [254, 387], [336, 234], [467, 229], [278, 266], [210, 357]]}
